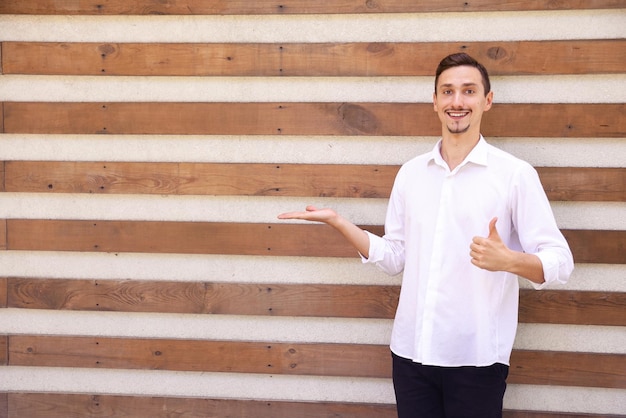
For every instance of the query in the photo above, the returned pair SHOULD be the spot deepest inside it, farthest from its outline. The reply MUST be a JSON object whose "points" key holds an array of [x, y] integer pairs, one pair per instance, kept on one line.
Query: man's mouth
{"points": [[457, 114]]}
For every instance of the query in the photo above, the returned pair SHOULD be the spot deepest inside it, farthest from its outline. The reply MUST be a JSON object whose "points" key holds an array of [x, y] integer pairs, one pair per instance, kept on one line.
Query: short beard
{"points": [[458, 131]]}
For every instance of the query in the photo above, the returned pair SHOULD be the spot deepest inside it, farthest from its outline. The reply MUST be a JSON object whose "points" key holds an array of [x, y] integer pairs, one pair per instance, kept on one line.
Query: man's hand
{"points": [[312, 214], [355, 235], [490, 253]]}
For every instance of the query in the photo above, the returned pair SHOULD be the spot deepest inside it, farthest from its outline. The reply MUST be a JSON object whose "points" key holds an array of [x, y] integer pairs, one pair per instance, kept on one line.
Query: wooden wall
{"points": [[146, 150]]}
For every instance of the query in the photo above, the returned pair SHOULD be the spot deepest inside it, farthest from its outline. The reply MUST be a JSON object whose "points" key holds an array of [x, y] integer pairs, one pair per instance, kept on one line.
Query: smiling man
{"points": [[463, 222]]}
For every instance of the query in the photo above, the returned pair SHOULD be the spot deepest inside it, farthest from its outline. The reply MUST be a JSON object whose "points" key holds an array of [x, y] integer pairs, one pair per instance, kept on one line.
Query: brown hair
{"points": [[460, 59]]}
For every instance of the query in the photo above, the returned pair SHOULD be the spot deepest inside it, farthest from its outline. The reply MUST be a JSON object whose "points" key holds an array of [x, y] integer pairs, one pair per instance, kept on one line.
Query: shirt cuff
{"points": [[552, 270], [374, 249]]}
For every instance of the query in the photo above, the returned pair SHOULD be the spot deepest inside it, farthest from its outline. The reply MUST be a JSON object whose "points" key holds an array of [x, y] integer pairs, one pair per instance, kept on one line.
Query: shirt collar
{"points": [[478, 154]]}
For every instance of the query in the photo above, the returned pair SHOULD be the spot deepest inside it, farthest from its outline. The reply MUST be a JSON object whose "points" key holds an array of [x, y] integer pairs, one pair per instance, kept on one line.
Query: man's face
{"points": [[460, 100]]}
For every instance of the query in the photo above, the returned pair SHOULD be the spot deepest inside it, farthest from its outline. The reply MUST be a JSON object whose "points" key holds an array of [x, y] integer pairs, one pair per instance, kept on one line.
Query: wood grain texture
{"points": [[358, 360], [588, 246], [572, 307], [2, 173], [584, 183], [373, 119], [3, 292], [321, 180], [4, 350], [299, 300], [563, 368], [311, 300], [227, 7], [3, 234], [219, 118], [176, 237], [299, 180], [4, 405], [68, 405], [308, 59], [63, 405]]}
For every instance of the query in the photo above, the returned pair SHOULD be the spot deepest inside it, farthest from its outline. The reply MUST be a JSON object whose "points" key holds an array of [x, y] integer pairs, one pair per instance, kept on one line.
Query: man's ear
{"points": [[488, 100], [435, 101]]}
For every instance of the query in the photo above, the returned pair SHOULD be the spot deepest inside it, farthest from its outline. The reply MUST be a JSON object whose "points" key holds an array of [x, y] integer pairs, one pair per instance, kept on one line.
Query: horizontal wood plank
{"points": [[3, 234], [358, 360], [71, 405], [4, 350], [299, 180], [588, 246], [1, 174], [176, 237], [3, 292], [313, 300], [322, 180], [584, 183], [375, 119], [239, 7], [4, 405], [308, 300], [572, 307], [564, 368], [308, 59], [64, 405]]}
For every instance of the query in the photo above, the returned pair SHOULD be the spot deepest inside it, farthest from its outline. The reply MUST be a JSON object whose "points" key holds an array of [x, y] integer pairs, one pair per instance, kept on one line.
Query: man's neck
{"points": [[456, 147]]}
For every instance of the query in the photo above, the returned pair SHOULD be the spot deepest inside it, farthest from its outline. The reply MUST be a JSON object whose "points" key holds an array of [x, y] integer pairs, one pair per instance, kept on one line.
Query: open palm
{"points": [[311, 213]]}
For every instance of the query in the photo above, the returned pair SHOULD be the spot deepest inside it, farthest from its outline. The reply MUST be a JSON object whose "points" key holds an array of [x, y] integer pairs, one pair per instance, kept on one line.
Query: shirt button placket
{"points": [[436, 264]]}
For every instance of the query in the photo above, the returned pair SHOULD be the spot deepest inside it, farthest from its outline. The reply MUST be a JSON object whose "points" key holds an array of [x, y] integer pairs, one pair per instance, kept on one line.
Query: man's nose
{"points": [[457, 99]]}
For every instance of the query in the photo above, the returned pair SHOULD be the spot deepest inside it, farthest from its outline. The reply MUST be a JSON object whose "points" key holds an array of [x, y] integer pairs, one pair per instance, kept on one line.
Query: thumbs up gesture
{"points": [[490, 253]]}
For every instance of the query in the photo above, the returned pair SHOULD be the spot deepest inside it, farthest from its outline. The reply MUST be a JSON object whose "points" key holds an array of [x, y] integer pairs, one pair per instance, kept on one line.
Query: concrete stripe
{"points": [[595, 88], [276, 387], [191, 384], [577, 338], [418, 27], [191, 326], [247, 269], [254, 209], [548, 337], [566, 399], [541, 152]]}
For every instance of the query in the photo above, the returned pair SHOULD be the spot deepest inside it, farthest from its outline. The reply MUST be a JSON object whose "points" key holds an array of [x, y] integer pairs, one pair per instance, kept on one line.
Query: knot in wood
{"points": [[379, 47], [497, 53], [106, 49], [358, 118], [371, 4]]}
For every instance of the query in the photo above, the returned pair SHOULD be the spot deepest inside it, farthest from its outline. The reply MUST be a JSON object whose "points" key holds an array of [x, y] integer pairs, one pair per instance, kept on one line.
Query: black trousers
{"points": [[448, 392]]}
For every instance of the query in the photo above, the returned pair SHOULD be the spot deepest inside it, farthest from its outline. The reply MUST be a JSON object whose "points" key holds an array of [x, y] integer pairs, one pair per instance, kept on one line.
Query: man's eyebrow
{"points": [[463, 85]]}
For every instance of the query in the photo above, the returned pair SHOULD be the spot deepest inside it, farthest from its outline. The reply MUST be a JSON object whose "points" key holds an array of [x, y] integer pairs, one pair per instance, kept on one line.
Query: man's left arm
{"points": [[490, 253], [544, 256]]}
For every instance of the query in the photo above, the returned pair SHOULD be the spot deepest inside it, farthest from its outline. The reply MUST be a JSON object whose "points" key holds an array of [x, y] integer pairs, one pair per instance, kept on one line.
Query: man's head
{"points": [[462, 59], [462, 94]]}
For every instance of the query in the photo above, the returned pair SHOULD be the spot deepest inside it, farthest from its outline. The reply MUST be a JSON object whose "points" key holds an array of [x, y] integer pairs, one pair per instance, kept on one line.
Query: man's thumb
{"points": [[493, 232]]}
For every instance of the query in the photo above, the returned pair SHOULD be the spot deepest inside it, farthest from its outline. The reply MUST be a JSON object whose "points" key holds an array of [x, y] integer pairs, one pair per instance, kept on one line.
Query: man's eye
{"points": [[469, 91]]}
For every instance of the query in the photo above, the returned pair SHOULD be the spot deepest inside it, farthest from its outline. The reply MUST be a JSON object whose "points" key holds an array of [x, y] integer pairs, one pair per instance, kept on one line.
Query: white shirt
{"points": [[452, 313]]}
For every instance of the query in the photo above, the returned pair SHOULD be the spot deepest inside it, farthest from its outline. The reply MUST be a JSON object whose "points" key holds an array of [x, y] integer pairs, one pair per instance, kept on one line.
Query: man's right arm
{"points": [[355, 235]]}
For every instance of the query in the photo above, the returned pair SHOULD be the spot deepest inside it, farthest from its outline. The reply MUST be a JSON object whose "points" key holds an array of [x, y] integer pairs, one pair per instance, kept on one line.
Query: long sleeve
{"points": [[537, 230]]}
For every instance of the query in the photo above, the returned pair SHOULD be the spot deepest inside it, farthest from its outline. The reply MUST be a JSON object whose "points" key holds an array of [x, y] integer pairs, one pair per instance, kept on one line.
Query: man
{"points": [[463, 221]]}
